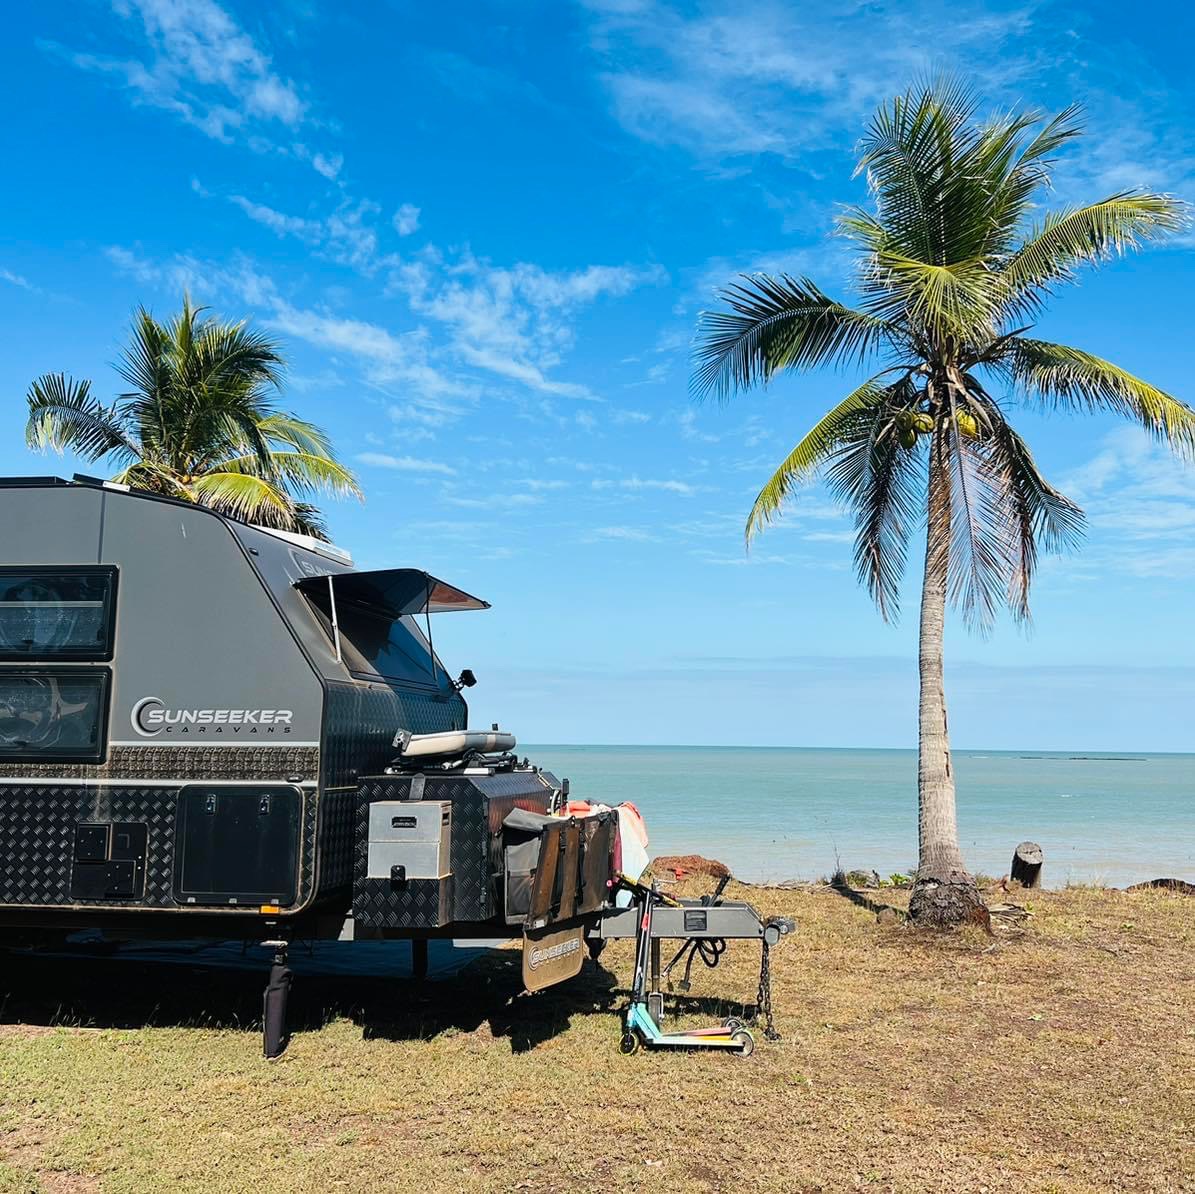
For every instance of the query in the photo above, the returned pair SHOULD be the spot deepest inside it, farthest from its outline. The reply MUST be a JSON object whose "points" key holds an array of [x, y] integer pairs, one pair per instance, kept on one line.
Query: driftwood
{"points": [[1167, 884], [1027, 862]]}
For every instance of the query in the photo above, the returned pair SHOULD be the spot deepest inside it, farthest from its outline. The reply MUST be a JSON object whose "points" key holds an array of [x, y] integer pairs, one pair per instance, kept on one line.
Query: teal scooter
{"points": [[642, 1027]]}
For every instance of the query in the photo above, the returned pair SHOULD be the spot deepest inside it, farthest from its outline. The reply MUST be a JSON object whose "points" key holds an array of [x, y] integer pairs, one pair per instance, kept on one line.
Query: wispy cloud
{"points": [[1140, 503], [513, 321], [12, 279], [431, 395], [405, 464], [626, 534], [190, 58], [310, 231], [751, 77], [637, 484]]}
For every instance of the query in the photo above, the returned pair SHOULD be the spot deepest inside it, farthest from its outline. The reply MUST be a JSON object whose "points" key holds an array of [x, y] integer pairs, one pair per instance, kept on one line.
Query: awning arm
{"points": [[335, 623]]}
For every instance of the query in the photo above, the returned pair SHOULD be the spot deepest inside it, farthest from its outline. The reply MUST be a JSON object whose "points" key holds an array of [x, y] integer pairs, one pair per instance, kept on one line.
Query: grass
{"points": [[1060, 1057]]}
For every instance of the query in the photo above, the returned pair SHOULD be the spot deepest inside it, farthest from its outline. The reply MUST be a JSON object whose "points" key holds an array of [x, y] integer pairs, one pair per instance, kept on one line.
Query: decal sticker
{"points": [[151, 717]]}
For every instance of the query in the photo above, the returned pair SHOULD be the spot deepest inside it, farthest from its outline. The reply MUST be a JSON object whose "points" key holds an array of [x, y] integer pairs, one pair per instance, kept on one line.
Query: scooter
{"points": [[642, 1026]]}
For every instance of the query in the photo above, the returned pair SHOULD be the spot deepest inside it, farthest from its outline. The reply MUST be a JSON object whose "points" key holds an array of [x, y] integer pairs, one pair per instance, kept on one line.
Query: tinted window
{"points": [[53, 714], [391, 647], [54, 613]]}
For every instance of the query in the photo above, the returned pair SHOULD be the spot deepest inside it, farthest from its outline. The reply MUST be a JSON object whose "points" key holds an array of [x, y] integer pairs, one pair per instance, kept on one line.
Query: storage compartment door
{"points": [[238, 844]]}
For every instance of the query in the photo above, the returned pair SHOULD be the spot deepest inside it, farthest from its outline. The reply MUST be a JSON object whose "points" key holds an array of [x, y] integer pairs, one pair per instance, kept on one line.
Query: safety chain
{"points": [[763, 1000]]}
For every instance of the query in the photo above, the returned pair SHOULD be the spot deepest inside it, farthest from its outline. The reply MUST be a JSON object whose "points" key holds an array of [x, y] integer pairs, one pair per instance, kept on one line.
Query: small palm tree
{"points": [[952, 274], [198, 423]]}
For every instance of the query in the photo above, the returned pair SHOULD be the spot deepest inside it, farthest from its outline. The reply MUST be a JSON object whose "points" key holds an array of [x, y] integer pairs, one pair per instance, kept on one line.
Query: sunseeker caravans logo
{"points": [[151, 717]]}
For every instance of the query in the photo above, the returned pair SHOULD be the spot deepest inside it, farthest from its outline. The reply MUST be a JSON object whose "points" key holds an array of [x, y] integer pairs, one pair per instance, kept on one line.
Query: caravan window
{"points": [[376, 644], [58, 612], [53, 713]]}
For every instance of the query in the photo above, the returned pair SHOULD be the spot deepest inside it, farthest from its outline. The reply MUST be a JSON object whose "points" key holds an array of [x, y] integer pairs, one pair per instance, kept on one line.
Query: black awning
{"points": [[393, 590]]}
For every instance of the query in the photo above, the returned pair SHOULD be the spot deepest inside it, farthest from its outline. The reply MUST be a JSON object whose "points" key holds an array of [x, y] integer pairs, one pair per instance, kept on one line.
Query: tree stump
{"points": [[1027, 862]]}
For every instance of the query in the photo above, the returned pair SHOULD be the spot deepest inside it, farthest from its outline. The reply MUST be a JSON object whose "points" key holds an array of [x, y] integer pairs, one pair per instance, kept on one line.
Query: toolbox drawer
{"points": [[409, 839]]}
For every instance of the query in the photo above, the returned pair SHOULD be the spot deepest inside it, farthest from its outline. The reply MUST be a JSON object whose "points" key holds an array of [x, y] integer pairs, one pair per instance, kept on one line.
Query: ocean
{"points": [[775, 814]]}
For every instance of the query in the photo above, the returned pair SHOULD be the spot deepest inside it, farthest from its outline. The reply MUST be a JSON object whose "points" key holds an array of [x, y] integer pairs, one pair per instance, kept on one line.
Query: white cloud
{"points": [[430, 395], [198, 64], [687, 422], [636, 483], [1140, 505], [623, 415], [311, 231], [629, 534], [17, 280], [329, 165], [406, 219], [495, 500], [753, 77], [405, 464], [538, 483], [515, 322]]}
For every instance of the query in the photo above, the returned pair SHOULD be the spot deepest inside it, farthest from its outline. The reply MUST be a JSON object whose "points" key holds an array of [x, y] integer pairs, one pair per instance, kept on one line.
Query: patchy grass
{"points": [[1057, 1057]]}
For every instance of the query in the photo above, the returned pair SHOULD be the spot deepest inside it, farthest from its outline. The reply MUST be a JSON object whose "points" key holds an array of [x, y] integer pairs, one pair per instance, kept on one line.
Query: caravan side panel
{"points": [[209, 691]]}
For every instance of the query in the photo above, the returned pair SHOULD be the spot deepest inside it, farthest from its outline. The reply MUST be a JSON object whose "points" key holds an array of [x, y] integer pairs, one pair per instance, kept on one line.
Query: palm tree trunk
{"points": [[944, 892]]}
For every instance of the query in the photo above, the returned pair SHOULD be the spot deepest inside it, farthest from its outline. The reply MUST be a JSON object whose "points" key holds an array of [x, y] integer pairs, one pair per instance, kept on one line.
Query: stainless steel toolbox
{"points": [[410, 839]]}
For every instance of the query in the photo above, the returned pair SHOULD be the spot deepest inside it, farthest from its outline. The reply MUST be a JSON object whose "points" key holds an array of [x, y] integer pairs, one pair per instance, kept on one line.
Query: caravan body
{"points": [[193, 712]]}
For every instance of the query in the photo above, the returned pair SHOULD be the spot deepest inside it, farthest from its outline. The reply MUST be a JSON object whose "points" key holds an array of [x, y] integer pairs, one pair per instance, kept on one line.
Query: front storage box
{"points": [[401, 823]]}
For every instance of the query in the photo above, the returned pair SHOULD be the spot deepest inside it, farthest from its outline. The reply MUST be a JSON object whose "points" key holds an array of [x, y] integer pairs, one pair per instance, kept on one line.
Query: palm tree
{"points": [[952, 273], [197, 423]]}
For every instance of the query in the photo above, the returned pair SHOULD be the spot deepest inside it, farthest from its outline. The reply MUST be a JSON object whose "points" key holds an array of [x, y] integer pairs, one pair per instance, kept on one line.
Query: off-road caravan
{"points": [[210, 729]]}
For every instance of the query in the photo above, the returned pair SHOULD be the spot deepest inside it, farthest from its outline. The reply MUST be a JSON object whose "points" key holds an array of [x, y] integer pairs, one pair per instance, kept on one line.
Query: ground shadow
{"points": [[99, 988], [861, 899]]}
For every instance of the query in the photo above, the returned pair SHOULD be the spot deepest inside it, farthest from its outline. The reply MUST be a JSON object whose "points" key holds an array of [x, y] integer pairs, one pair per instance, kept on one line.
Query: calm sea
{"points": [[774, 814]]}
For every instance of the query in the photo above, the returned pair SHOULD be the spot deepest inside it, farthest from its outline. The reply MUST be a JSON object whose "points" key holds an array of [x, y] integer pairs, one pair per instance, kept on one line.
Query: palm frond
{"points": [[908, 155], [962, 300], [64, 416], [297, 472], [881, 480], [245, 496], [1038, 517], [1069, 377], [1068, 239], [298, 433], [773, 324], [815, 447], [978, 557], [233, 354], [308, 520], [1022, 171]]}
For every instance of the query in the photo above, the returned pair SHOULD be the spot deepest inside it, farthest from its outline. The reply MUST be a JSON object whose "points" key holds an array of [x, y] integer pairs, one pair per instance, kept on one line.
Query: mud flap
{"points": [[552, 956]]}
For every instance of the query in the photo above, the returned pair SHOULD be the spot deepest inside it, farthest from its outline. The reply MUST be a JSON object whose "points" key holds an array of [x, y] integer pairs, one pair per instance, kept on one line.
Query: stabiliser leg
{"points": [[275, 1038], [419, 958]]}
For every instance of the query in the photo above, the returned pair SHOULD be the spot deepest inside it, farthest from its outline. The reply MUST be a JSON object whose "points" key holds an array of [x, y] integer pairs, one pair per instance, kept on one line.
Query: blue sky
{"points": [[484, 231]]}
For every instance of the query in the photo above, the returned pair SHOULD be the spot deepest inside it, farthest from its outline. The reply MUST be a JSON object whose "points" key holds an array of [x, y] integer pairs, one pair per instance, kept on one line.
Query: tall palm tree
{"points": [[953, 270], [198, 423]]}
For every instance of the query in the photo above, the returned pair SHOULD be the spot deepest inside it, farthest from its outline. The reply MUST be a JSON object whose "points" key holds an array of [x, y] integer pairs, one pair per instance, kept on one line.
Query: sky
{"points": [[483, 233]]}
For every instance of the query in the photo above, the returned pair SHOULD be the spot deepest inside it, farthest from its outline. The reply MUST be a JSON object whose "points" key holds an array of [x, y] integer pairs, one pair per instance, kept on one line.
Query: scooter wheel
{"points": [[733, 1024], [745, 1040], [629, 1043]]}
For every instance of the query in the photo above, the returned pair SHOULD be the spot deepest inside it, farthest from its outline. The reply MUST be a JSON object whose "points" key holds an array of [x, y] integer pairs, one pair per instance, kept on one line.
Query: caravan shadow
{"points": [[202, 985]]}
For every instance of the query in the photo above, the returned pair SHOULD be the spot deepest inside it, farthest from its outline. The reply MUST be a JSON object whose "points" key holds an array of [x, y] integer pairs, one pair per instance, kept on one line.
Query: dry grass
{"points": [[1061, 1058]]}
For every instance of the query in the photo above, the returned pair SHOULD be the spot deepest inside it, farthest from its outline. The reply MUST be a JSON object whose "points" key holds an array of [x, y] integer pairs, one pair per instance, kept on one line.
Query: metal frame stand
{"points": [[646, 1010]]}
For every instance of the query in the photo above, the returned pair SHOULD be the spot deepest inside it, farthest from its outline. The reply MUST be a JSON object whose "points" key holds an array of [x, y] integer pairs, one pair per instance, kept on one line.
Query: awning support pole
{"points": [[427, 618], [335, 623]]}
